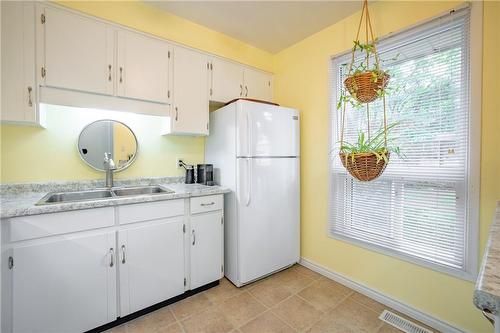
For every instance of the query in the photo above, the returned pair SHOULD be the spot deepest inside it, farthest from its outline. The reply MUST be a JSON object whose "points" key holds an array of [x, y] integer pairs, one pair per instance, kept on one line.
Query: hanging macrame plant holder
{"points": [[365, 87]]}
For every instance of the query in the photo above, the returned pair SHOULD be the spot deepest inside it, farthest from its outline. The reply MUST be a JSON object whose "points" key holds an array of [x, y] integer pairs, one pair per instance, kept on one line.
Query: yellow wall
{"points": [[301, 81], [34, 154]]}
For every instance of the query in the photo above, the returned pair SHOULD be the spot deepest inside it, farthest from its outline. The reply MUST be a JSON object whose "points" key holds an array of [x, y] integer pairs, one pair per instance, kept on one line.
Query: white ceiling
{"points": [[268, 25]]}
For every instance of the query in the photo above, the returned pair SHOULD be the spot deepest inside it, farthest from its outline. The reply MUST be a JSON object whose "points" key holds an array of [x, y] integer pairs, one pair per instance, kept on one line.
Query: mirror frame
{"points": [[102, 170]]}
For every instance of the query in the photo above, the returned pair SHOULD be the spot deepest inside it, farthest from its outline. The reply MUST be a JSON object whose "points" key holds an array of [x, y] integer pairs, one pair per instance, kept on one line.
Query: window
{"points": [[420, 208]]}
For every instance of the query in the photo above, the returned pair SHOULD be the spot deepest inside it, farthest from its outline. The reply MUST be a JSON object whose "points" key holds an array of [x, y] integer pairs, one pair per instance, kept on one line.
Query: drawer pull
{"points": [[194, 237], [207, 204]]}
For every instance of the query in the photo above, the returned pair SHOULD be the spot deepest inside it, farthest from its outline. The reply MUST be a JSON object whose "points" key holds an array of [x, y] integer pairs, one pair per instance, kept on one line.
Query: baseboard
{"points": [[382, 298]]}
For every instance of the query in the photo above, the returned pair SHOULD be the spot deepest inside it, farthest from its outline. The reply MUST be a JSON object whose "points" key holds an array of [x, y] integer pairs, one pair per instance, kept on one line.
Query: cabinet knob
{"points": [[194, 237], [246, 91], [176, 114], [121, 74], [241, 90], [109, 73]]}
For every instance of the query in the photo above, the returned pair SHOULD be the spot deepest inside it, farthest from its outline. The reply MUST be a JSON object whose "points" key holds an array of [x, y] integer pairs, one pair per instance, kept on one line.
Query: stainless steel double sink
{"points": [[100, 194]]}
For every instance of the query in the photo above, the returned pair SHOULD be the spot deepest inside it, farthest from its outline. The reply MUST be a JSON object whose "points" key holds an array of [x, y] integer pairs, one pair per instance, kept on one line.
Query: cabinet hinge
{"points": [[184, 228], [43, 72], [11, 262], [184, 282], [42, 18]]}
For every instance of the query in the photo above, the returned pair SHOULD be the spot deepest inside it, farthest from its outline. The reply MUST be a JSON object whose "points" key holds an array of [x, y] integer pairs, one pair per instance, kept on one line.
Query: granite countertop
{"points": [[20, 199], [487, 291]]}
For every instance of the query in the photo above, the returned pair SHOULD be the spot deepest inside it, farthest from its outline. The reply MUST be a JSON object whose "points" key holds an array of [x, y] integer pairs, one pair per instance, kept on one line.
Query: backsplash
{"points": [[33, 154]]}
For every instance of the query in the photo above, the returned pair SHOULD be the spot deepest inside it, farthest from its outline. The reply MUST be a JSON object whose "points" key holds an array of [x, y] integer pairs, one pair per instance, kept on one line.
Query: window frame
{"points": [[471, 245]]}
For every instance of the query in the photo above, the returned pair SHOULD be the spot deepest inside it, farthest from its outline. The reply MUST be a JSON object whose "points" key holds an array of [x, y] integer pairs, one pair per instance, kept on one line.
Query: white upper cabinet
{"points": [[78, 52], [258, 85], [142, 67], [227, 80], [189, 112], [230, 80], [19, 88]]}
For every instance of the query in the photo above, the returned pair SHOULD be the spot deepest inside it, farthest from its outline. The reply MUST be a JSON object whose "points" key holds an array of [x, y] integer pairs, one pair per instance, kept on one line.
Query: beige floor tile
{"points": [[324, 294], [208, 321], [306, 272], [368, 302], [156, 321], [292, 280], [190, 306], [348, 317], [222, 292], [173, 328], [270, 292], [241, 308], [297, 312], [266, 323]]}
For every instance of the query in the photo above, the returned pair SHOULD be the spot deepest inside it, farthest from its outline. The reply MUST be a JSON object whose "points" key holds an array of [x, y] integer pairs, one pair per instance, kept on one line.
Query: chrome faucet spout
{"points": [[109, 166]]}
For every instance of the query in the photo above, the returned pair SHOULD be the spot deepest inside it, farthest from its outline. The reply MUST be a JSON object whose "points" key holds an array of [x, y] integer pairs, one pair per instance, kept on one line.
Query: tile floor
{"points": [[294, 300]]}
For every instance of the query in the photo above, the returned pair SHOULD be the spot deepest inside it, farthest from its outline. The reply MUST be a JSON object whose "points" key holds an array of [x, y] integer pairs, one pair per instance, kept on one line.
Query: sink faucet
{"points": [[109, 166]]}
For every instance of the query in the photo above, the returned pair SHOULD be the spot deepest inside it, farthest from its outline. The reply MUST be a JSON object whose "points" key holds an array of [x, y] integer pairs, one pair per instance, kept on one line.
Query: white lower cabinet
{"points": [[151, 264], [206, 248], [67, 284]]}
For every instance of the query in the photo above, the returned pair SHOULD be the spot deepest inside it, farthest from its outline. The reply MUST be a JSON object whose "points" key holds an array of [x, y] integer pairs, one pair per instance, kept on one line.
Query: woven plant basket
{"points": [[363, 89], [365, 166]]}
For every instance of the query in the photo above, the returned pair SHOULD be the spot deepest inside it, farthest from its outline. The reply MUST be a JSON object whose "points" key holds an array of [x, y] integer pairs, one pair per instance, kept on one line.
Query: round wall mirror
{"points": [[107, 136]]}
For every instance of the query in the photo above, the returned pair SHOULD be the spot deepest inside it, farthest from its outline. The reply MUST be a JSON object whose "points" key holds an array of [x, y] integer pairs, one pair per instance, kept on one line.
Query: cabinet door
{"points": [[19, 90], [78, 52], [65, 285], [151, 259], [143, 67], [258, 85], [227, 80], [206, 248], [190, 87]]}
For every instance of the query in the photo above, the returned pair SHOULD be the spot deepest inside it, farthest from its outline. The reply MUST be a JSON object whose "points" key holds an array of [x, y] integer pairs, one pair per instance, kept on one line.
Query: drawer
{"points": [[35, 226], [206, 204], [150, 211]]}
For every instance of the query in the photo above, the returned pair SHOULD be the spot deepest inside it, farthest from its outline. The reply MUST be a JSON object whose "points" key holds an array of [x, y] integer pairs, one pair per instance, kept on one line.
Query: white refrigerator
{"points": [[254, 148]]}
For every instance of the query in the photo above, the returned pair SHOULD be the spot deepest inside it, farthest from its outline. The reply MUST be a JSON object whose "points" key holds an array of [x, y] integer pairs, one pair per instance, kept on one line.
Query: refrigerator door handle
{"points": [[249, 181]]}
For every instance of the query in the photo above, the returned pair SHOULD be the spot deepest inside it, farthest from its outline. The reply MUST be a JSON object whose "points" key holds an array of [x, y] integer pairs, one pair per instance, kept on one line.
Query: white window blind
{"points": [[417, 209]]}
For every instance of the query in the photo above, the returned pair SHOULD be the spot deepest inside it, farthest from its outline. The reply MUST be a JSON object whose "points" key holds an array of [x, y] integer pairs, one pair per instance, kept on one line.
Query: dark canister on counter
{"points": [[205, 174]]}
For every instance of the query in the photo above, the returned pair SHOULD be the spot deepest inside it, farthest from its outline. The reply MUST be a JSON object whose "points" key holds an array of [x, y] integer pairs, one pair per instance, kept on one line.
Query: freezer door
{"points": [[267, 130], [268, 215]]}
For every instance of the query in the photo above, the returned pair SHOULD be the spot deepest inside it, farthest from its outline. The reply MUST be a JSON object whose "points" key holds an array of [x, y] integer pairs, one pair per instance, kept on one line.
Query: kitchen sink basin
{"points": [[113, 193], [62, 197], [140, 190]]}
